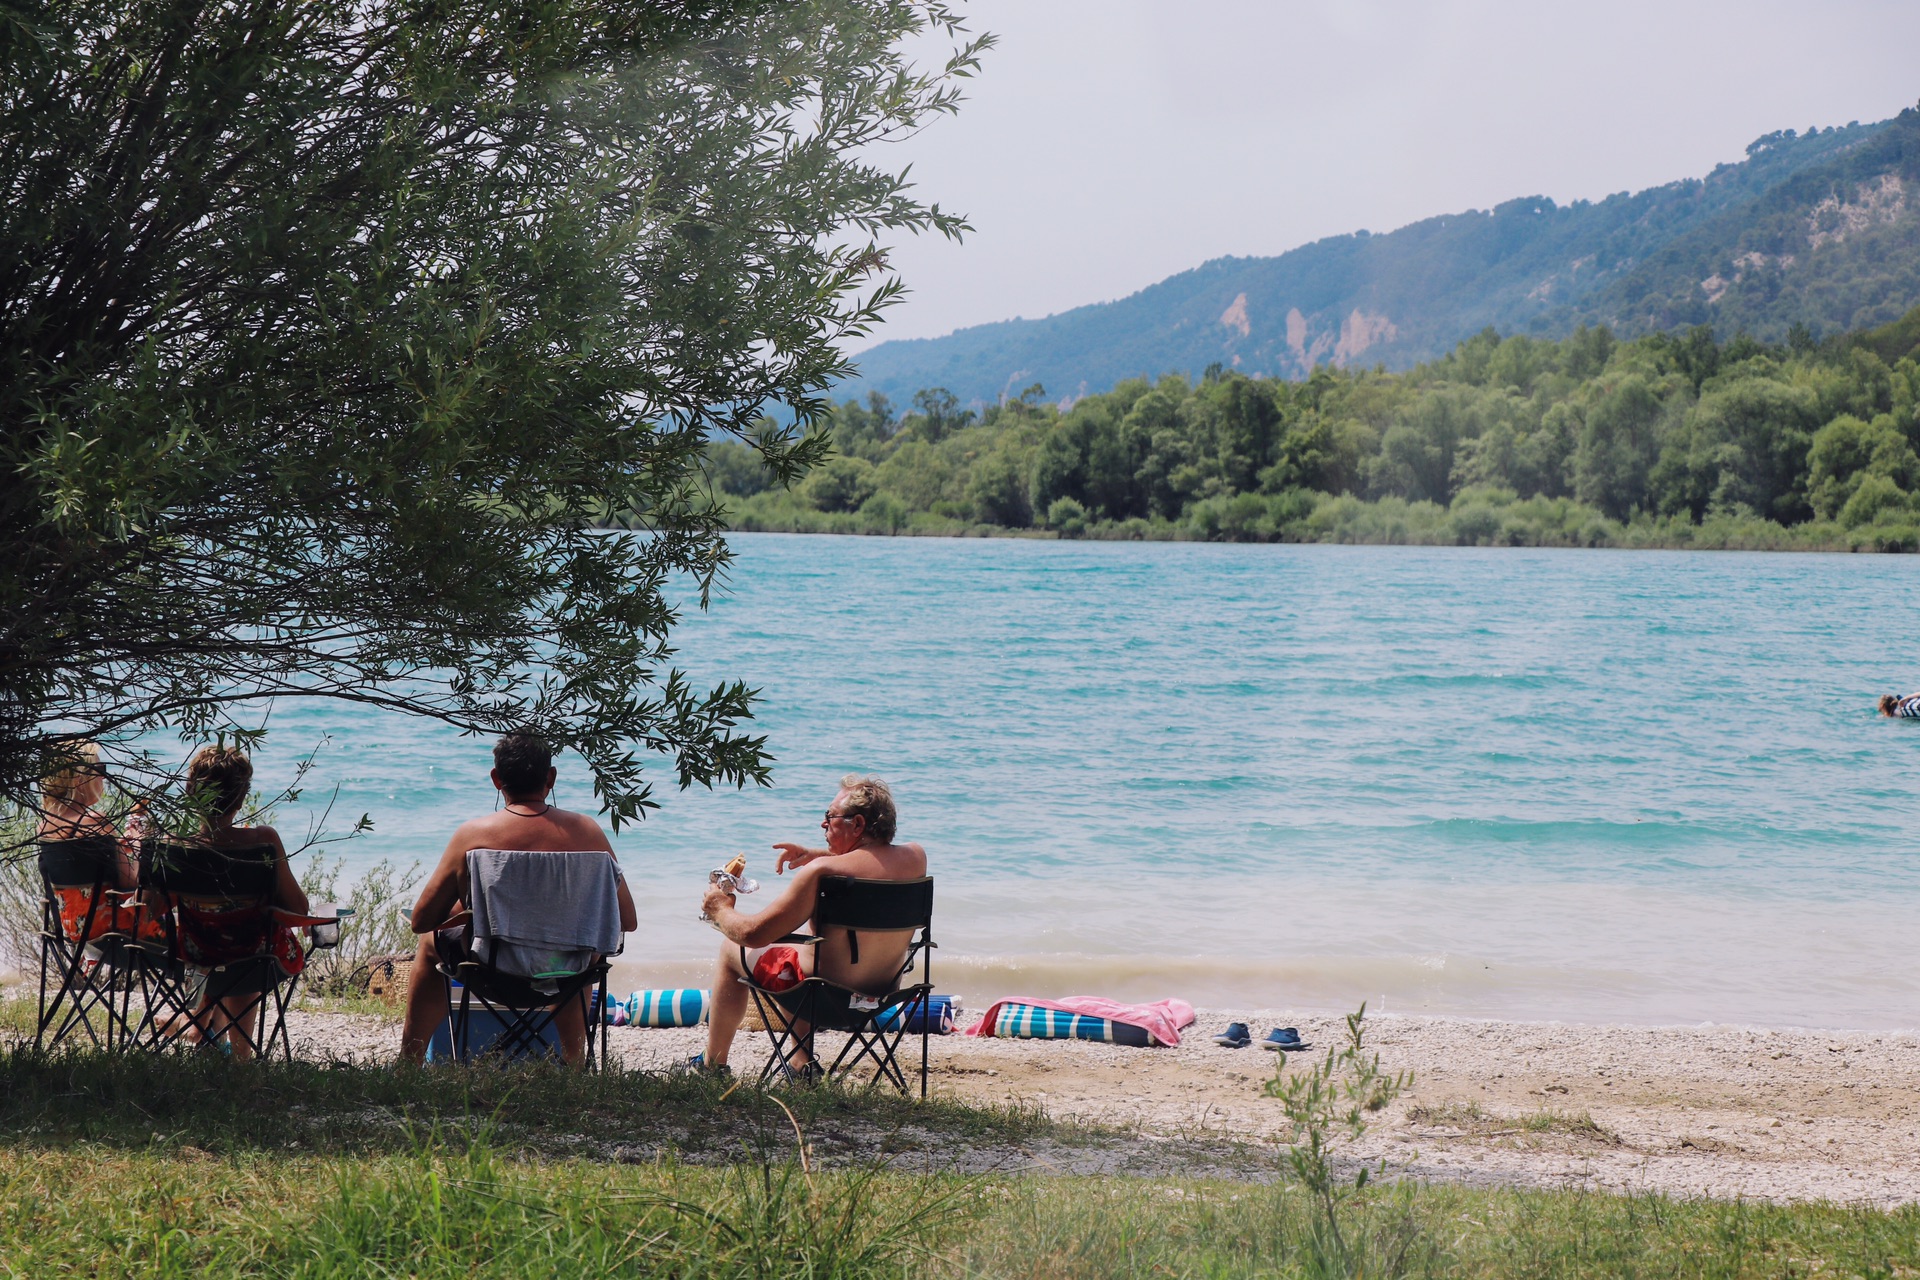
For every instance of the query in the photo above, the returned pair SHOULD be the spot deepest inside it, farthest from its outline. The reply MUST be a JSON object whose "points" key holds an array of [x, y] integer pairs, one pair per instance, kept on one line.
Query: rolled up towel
{"points": [[667, 1007], [937, 1018], [1029, 1022]]}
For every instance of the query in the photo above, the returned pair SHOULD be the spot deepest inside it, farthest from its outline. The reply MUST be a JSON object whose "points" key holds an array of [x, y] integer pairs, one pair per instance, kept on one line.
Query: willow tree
{"points": [[332, 331]]}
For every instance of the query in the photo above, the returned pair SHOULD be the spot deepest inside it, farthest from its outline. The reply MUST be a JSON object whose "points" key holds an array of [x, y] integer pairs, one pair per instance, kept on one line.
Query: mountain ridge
{"points": [[1820, 229]]}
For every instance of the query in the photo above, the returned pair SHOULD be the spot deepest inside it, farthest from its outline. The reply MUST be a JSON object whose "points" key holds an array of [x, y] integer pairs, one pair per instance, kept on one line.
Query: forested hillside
{"points": [[1587, 441], [1819, 229]]}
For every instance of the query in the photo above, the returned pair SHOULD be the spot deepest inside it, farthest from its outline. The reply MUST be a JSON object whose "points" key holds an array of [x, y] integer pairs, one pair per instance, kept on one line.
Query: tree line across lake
{"points": [[1667, 440]]}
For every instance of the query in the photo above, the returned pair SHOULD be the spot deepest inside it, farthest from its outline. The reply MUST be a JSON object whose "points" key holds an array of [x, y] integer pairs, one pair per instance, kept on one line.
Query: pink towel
{"points": [[1162, 1020]]}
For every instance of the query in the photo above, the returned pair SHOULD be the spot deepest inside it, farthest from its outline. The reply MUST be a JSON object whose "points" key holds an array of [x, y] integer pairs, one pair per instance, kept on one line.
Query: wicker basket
{"points": [[753, 1021], [387, 977]]}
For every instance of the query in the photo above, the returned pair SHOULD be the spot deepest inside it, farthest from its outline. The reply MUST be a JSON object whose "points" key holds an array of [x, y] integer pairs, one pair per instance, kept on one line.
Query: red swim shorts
{"points": [[778, 969]]}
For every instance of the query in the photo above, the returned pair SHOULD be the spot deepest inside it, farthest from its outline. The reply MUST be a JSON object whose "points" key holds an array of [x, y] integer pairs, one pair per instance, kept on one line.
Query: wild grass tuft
{"points": [[1325, 1102], [1474, 1120], [460, 1213]]}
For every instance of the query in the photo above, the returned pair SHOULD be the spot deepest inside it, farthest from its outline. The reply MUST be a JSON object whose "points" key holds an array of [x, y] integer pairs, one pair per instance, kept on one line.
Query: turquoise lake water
{"points": [[1588, 786]]}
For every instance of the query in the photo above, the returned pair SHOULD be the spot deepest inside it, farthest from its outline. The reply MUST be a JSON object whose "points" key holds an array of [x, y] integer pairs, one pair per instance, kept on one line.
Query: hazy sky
{"points": [[1108, 144]]}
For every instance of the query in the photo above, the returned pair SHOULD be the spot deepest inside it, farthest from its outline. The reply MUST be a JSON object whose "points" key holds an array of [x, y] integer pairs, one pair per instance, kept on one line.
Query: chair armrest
{"points": [[297, 919], [800, 939], [457, 920]]}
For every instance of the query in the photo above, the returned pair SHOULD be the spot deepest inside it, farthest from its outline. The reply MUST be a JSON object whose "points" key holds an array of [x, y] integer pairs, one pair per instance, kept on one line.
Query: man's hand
{"points": [[794, 855], [715, 899]]}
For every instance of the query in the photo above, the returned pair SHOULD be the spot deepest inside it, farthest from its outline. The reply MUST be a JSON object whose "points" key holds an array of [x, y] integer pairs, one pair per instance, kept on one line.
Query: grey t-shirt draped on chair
{"points": [[541, 915]]}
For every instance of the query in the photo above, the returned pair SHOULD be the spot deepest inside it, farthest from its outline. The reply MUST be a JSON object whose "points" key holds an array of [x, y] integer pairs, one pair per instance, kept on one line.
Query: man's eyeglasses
{"points": [[831, 816]]}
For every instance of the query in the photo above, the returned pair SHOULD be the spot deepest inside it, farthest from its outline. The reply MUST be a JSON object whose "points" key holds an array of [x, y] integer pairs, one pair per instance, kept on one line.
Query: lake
{"points": [[1576, 785]]}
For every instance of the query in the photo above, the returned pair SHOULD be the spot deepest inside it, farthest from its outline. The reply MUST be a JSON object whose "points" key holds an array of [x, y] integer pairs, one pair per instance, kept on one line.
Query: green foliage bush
{"points": [[381, 899], [1666, 441], [1067, 518], [841, 484]]}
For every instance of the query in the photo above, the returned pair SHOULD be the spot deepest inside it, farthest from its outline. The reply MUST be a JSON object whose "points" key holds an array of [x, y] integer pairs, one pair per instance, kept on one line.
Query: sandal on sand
{"points": [[1284, 1040], [1236, 1036]]}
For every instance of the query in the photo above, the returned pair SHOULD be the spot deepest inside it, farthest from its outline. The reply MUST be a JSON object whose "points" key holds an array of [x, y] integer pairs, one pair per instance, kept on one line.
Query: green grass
{"points": [[457, 1208], [1063, 1228], [364, 1005], [450, 1211], [18, 1017], [214, 1104], [195, 1166]]}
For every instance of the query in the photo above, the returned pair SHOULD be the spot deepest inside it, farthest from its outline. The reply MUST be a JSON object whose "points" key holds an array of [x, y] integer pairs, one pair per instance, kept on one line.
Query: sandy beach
{"points": [[1686, 1111]]}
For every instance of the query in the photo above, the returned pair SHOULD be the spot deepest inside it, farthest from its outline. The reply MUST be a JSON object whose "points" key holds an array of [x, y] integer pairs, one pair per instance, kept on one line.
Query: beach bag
{"points": [[778, 969]]}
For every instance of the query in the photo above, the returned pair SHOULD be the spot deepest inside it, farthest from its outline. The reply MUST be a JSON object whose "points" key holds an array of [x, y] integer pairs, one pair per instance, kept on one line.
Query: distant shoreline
{"points": [[1810, 539]]}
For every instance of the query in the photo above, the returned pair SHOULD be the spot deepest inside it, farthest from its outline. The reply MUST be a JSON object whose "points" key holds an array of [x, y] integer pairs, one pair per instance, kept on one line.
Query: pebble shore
{"points": [[1688, 1111]]}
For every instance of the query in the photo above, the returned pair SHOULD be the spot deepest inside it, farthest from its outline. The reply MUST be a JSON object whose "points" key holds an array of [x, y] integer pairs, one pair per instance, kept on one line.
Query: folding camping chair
{"points": [[91, 944], [222, 925], [874, 1025], [541, 932]]}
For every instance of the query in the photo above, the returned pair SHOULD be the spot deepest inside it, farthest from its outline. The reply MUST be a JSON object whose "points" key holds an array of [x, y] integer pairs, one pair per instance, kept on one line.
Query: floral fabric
{"points": [[209, 938], [118, 913]]}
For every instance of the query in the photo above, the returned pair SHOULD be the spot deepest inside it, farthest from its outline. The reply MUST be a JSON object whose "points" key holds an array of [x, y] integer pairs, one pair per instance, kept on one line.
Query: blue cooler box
{"points": [[483, 1028]]}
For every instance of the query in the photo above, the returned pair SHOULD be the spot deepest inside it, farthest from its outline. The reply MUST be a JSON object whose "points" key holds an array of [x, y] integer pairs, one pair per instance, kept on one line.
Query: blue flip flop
{"points": [[1236, 1036], [1284, 1040]]}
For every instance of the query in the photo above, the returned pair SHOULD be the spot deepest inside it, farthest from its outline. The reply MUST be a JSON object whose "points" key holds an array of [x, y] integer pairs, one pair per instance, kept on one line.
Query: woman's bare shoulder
{"points": [[88, 824], [253, 837]]}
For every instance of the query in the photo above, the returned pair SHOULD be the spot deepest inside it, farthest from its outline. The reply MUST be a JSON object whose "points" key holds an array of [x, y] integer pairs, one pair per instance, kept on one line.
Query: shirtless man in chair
{"points": [[859, 825], [524, 775]]}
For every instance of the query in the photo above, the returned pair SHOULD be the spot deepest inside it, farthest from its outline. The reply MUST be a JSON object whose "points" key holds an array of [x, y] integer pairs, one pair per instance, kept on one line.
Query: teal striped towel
{"points": [[1026, 1022], [672, 1007]]}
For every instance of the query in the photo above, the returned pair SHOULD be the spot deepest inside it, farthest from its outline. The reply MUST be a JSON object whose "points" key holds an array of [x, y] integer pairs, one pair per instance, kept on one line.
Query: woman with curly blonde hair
{"points": [[218, 780]]}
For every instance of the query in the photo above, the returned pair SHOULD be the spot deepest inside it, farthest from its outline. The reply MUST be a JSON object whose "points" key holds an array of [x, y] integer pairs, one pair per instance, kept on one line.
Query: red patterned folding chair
{"points": [[96, 943], [226, 939]]}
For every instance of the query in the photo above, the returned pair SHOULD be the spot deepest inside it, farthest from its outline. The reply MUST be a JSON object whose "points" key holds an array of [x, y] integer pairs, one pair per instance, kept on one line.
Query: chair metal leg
{"points": [[594, 1015], [779, 1024], [40, 1032], [282, 998], [880, 1045], [926, 979], [77, 993]]}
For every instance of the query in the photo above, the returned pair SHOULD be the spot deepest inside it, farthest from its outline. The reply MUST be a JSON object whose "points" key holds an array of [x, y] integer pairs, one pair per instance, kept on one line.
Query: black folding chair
{"points": [[521, 1010], [874, 1024], [90, 954], [220, 930]]}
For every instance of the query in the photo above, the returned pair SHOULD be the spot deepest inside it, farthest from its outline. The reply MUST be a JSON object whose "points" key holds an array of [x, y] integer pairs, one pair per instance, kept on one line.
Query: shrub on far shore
{"points": [[1485, 516]]}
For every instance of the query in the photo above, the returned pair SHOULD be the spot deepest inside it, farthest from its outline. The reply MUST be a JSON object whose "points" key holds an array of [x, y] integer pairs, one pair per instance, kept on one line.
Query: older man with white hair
{"points": [[859, 826]]}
